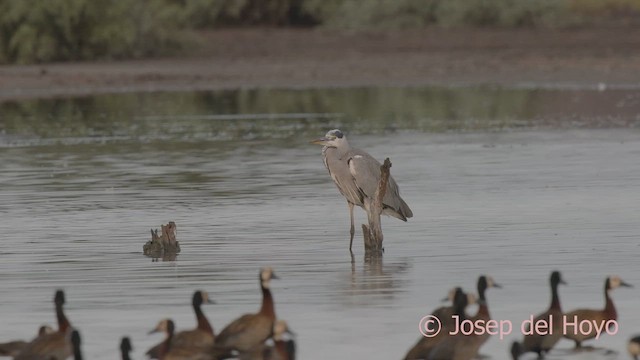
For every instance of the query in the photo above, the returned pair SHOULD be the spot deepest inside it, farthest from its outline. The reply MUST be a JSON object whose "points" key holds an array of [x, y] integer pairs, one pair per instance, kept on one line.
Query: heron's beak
{"points": [[498, 286], [320, 141], [153, 331], [624, 284], [563, 282], [444, 299], [288, 331], [274, 276], [209, 301]]}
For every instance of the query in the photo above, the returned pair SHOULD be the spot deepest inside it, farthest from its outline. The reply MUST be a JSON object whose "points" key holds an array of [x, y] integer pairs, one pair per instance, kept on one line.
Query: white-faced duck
{"points": [[634, 347], [249, 332], [445, 315], [160, 351], [542, 342], [75, 345], [199, 339], [13, 348], [602, 318], [456, 345], [51, 345], [356, 174], [203, 334], [125, 348], [282, 349], [484, 283]]}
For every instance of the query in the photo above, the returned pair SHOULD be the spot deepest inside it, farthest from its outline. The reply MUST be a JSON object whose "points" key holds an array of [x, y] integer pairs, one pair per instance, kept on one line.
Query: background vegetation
{"points": [[34, 31]]}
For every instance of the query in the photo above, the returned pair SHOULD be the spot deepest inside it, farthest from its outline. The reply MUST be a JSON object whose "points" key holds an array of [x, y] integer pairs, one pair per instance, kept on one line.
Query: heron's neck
{"points": [[339, 151]]}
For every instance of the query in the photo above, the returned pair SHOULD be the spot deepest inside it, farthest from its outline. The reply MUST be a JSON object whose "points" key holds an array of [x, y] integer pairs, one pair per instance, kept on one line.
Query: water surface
{"points": [[510, 183]]}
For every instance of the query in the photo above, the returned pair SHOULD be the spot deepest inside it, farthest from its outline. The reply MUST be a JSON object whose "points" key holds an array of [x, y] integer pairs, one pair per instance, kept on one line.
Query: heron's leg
{"points": [[352, 231]]}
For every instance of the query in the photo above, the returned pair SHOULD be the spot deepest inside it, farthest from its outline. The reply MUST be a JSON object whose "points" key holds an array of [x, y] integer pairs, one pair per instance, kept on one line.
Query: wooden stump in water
{"points": [[163, 245], [373, 232]]}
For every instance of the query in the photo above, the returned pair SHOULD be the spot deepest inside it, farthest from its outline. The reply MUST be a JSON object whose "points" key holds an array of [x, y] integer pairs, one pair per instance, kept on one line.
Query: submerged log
{"points": [[164, 244], [373, 232]]}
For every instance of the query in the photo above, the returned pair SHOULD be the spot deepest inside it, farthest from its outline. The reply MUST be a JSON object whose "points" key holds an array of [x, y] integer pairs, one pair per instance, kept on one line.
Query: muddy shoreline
{"points": [[231, 59]]}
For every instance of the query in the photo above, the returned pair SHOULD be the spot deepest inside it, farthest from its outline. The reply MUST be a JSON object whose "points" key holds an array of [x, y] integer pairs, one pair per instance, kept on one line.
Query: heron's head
{"points": [[333, 138]]}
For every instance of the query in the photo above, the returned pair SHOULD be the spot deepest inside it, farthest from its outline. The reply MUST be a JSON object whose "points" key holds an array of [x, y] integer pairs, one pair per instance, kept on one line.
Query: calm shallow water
{"points": [[83, 180]]}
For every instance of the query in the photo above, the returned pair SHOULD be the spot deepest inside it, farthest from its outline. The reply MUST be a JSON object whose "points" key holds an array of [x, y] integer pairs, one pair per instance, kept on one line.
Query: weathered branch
{"points": [[373, 232], [163, 245]]}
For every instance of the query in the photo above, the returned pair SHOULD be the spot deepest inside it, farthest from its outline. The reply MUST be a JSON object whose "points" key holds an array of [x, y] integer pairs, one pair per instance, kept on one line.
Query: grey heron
{"points": [[356, 174]]}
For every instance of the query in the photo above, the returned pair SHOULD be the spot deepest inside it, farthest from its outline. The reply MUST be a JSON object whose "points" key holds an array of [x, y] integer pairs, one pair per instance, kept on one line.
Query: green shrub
{"points": [[357, 14], [360, 14], [56, 30], [510, 13]]}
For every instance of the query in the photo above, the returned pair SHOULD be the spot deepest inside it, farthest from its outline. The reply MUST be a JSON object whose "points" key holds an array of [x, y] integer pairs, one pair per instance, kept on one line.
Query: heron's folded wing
{"points": [[365, 170]]}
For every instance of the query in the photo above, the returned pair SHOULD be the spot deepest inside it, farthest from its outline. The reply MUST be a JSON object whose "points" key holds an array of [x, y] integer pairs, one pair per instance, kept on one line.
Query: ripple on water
{"points": [[514, 205]]}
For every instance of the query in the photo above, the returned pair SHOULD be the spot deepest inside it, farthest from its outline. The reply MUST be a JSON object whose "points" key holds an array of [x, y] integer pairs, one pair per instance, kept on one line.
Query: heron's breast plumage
{"points": [[339, 171]]}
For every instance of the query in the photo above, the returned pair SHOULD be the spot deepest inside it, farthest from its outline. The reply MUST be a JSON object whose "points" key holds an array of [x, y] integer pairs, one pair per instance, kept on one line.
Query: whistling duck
{"points": [[282, 349], [75, 344], [166, 326], [192, 341], [484, 283], [541, 343], [203, 334], [457, 346], [599, 316], [634, 347], [125, 348], [445, 315], [52, 345], [248, 333], [13, 348]]}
